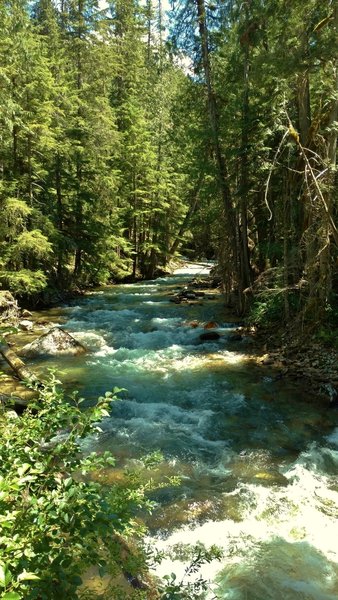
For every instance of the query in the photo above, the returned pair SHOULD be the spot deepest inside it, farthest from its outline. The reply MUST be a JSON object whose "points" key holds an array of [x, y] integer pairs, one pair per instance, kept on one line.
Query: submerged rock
{"points": [[211, 325], [209, 336], [235, 337], [56, 341], [193, 324], [185, 295]]}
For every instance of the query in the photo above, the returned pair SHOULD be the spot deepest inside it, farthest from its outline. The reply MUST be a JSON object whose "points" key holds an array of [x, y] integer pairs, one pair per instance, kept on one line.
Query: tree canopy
{"points": [[128, 135]]}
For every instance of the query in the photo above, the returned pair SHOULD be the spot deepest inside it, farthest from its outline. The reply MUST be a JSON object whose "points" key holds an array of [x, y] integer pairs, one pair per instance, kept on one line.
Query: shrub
{"points": [[56, 520]]}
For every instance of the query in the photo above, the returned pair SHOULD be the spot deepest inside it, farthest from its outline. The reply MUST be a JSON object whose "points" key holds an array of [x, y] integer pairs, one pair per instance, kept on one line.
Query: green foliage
{"points": [[33, 244], [25, 252], [111, 158], [56, 518], [61, 513], [268, 307], [266, 311], [91, 187], [183, 589], [332, 311], [23, 282], [328, 337], [327, 332], [15, 215]]}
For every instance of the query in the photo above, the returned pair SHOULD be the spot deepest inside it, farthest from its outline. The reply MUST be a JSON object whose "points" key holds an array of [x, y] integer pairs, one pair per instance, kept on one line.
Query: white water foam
{"points": [[284, 546], [333, 437], [280, 541], [290, 550]]}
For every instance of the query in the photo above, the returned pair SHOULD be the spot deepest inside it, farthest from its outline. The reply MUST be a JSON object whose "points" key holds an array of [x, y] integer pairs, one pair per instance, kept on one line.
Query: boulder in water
{"points": [[211, 325], [209, 336], [185, 295], [193, 324], [55, 342]]}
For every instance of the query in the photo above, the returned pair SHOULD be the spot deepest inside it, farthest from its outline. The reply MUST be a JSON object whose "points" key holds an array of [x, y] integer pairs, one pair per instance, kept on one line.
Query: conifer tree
{"points": [[26, 117]]}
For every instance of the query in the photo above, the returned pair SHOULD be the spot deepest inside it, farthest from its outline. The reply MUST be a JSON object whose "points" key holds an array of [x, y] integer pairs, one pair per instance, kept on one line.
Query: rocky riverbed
{"points": [[302, 360]]}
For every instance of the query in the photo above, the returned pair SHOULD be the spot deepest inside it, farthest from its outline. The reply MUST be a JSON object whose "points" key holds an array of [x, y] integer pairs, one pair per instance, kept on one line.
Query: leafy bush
{"points": [[56, 520], [61, 513], [328, 337], [186, 589], [268, 308]]}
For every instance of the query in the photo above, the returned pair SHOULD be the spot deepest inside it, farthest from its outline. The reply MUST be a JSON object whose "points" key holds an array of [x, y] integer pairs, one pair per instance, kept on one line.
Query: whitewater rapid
{"points": [[258, 460]]}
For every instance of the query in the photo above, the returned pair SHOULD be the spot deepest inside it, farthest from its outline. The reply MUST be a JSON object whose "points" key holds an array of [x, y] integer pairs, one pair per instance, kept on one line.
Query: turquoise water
{"points": [[258, 460]]}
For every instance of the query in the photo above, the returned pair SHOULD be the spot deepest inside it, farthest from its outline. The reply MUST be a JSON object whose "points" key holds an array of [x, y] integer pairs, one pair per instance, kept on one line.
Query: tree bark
{"points": [[19, 367], [59, 200], [244, 175], [328, 216], [192, 209], [231, 228]]}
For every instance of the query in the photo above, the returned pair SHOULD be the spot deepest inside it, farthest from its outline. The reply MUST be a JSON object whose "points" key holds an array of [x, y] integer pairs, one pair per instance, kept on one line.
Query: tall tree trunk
{"points": [[149, 18], [244, 175], [230, 218], [135, 229], [330, 195], [304, 107], [78, 204], [286, 242], [191, 211], [30, 169], [79, 221], [303, 101], [59, 201], [15, 132]]}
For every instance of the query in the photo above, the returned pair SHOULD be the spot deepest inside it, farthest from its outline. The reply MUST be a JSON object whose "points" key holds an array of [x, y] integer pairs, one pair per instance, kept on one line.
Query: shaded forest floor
{"points": [[291, 354], [301, 358]]}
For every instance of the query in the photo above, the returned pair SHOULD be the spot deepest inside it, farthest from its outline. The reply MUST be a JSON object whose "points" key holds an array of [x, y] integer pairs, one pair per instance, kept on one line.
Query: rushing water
{"points": [[258, 460]]}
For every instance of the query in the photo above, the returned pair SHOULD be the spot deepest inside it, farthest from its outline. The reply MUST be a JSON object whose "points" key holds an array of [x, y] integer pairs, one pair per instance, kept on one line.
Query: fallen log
{"points": [[18, 366]]}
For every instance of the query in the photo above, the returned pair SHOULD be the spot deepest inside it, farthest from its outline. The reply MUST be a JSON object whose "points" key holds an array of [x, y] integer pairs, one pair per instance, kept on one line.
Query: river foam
{"points": [[259, 464]]}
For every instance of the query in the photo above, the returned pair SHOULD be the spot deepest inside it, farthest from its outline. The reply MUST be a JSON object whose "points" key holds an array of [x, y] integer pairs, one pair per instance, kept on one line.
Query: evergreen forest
{"points": [[134, 130]]}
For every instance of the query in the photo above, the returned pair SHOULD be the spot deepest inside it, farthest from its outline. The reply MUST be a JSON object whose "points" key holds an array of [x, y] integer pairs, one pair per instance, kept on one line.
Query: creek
{"points": [[258, 459]]}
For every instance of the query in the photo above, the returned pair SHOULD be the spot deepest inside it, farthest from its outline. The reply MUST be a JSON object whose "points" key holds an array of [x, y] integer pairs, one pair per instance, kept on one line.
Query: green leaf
{"points": [[27, 576], [5, 576], [12, 596], [104, 413]]}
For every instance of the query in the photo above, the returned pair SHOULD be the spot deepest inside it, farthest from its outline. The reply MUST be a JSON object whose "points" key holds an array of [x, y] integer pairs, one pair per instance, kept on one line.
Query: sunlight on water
{"points": [[259, 463], [193, 269], [284, 544]]}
